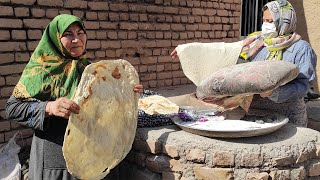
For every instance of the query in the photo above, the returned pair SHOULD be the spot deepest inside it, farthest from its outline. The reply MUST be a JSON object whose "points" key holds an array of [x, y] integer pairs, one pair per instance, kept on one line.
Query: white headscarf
{"points": [[284, 16]]}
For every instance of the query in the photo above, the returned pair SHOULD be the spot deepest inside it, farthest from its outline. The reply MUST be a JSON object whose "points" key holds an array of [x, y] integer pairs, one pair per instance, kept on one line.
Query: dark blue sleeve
{"points": [[306, 60], [27, 113]]}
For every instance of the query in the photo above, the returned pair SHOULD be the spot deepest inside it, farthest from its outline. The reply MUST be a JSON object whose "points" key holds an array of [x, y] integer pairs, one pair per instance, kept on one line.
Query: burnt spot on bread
{"points": [[95, 72], [68, 132], [101, 66], [116, 73], [90, 90], [106, 169], [123, 66]]}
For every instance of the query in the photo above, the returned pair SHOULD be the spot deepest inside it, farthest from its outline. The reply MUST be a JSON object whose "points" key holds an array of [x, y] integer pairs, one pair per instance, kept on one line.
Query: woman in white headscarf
{"points": [[279, 41]]}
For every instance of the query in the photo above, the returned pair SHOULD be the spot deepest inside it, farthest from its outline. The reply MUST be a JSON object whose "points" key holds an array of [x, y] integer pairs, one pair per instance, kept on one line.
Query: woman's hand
{"points": [[174, 54], [266, 94], [247, 41], [62, 107], [138, 88], [212, 101]]}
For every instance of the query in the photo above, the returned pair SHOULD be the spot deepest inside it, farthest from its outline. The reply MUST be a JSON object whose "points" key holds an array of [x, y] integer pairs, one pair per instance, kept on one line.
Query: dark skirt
{"points": [[295, 110]]}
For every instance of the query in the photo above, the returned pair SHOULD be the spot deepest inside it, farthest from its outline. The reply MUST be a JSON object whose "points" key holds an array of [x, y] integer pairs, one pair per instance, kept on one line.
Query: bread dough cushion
{"points": [[247, 79], [235, 85], [101, 135]]}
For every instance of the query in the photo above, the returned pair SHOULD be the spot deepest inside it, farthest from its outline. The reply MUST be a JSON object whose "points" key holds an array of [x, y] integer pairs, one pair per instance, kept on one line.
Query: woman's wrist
{"points": [[48, 109]]}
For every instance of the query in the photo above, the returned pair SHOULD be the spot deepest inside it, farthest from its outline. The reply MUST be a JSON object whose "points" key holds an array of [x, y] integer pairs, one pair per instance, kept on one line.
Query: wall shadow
{"points": [[301, 19]]}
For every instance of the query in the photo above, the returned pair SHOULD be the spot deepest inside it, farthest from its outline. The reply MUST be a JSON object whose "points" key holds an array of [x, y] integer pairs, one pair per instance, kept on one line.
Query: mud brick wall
{"points": [[144, 32]]}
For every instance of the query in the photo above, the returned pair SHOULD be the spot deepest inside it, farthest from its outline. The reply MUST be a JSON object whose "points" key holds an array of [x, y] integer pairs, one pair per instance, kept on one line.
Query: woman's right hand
{"points": [[246, 43], [62, 107]]}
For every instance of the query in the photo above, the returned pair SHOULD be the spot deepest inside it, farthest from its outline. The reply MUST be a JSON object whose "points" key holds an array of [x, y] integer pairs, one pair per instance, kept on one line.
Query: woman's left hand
{"points": [[138, 88]]}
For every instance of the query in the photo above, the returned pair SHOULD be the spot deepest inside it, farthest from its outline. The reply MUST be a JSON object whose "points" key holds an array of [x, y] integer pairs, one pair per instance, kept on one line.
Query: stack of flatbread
{"points": [[157, 104], [101, 135]]}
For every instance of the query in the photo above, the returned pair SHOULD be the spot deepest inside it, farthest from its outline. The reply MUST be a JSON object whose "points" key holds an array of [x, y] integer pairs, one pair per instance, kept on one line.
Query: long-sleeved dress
{"points": [[46, 158], [289, 98]]}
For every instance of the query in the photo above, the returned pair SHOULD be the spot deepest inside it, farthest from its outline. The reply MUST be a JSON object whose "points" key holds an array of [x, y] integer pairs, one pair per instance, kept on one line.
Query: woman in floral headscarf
{"points": [[279, 41], [41, 98]]}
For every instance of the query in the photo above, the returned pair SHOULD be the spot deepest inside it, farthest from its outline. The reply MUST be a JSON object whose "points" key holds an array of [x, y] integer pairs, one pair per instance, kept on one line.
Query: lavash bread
{"points": [[147, 120], [190, 100], [200, 60], [157, 104], [101, 135]]}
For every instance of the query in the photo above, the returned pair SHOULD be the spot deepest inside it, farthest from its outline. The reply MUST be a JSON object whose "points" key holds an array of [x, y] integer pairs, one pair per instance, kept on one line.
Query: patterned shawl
{"points": [[284, 17], [51, 72]]}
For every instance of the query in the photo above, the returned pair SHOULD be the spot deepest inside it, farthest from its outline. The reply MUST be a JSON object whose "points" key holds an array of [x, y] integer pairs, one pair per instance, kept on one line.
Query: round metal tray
{"points": [[230, 128]]}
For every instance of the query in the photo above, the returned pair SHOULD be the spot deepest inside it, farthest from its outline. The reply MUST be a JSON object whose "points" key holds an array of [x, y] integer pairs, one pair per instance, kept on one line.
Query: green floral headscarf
{"points": [[51, 71]]}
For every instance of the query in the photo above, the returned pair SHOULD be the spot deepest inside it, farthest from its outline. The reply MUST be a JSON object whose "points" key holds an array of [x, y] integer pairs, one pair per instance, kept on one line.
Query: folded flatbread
{"points": [[157, 105], [200, 60], [101, 135]]}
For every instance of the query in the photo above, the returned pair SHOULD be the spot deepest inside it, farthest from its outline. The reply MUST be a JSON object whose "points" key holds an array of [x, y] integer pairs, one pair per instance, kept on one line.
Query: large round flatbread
{"points": [[101, 135], [200, 60]]}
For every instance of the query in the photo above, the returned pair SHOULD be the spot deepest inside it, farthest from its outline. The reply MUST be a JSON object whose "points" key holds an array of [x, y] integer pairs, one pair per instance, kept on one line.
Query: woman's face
{"points": [[267, 17], [74, 40]]}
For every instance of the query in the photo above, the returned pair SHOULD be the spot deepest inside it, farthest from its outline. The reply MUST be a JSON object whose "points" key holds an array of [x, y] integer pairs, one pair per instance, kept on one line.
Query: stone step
{"points": [[313, 110]]}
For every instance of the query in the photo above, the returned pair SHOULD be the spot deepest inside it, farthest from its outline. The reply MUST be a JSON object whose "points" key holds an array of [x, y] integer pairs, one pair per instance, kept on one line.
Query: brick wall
{"points": [[142, 32]]}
